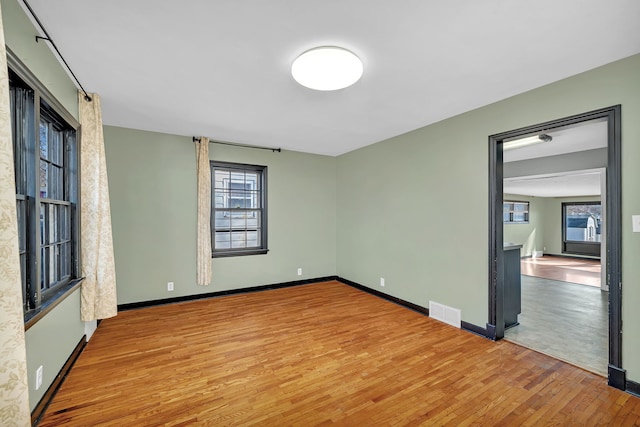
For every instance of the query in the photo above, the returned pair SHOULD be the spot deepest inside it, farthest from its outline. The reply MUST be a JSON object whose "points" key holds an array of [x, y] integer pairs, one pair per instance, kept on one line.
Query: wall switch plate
{"points": [[39, 373], [636, 223], [300, 272], [170, 286], [382, 281]]}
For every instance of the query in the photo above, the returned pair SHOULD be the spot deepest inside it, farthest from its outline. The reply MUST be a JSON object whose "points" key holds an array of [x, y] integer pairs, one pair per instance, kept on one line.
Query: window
{"points": [[239, 214], [45, 161], [515, 212], [581, 228]]}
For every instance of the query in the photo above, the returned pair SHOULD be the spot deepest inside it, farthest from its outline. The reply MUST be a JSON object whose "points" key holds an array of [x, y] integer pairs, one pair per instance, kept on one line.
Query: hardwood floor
{"points": [[320, 354], [563, 269]]}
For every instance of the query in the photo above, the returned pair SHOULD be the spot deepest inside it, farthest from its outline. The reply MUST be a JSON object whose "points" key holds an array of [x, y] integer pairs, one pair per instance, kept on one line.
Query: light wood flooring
{"points": [[319, 354], [563, 269]]}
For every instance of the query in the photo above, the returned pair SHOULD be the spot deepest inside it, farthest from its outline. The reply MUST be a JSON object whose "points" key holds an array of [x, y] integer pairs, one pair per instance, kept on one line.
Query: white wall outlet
{"points": [[170, 286], [39, 373], [636, 223], [300, 272], [382, 281]]}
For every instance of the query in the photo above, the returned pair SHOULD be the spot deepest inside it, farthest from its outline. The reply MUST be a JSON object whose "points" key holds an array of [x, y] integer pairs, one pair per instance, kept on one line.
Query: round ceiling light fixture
{"points": [[327, 68]]}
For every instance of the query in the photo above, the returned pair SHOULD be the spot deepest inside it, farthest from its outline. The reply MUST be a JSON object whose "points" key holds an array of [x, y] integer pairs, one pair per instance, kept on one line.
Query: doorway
{"points": [[612, 243]]}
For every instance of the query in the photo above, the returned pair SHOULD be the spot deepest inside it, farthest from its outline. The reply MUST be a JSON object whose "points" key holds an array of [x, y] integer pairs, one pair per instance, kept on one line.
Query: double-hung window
{"points": [[46, 174], [239, 212], [58, 193], [515, 212]]}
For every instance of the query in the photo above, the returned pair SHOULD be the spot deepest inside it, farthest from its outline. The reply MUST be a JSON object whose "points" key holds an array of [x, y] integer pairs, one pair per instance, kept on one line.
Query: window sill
{"points": [[239, 253], [33, 316]]}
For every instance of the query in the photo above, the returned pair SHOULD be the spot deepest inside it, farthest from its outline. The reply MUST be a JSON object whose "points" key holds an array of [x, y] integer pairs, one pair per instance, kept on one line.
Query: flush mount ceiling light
{"points": [[523, 142], [327, 68]]}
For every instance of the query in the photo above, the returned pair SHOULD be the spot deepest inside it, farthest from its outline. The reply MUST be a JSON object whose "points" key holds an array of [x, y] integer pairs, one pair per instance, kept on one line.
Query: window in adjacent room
{"points": [[581, 228], [515, 212], [46, 172], [239, 214]]}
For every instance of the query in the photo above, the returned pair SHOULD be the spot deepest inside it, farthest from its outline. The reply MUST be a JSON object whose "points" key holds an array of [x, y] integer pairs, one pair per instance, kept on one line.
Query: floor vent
{"points": [[445, 314]]}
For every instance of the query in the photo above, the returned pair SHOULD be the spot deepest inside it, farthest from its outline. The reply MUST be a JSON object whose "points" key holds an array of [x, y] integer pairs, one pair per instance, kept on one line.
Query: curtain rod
{"points": [[233, 144], [50, 40]]}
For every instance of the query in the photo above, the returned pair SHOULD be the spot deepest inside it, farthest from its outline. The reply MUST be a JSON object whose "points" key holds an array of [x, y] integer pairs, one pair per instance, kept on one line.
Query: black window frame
{"points": [[258, 194], [30, 105], [578, 247], [512, 211]]}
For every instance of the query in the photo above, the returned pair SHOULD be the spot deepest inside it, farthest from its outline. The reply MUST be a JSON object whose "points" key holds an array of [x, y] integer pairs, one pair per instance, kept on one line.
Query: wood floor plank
{"points": [[583, 271], [318, 355]]}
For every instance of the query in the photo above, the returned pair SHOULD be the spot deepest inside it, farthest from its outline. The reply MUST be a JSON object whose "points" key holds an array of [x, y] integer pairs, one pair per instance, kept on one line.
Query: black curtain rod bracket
{"points": [[233, 144], [50, 40]]}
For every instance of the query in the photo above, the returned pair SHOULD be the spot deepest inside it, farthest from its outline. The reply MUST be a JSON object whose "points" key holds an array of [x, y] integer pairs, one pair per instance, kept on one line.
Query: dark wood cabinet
{"points": [[512, 285]]}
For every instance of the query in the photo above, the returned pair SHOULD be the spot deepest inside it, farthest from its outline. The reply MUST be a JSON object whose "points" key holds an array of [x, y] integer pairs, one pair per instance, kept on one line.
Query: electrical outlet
{"points": [[39, 373], [170, 286], [300, 272], [382, 281]]}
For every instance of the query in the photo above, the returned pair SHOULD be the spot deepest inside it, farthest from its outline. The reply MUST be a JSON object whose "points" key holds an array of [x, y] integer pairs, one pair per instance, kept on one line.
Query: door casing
{"points": [[495, 324]]}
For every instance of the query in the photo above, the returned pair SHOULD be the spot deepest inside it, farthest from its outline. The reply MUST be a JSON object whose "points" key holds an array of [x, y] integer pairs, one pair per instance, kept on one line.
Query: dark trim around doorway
{"points": [[495, 324]]}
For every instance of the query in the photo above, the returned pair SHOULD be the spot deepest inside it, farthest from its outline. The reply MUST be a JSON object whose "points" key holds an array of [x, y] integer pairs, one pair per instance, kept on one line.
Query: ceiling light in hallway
{"points": [[524, 142]]}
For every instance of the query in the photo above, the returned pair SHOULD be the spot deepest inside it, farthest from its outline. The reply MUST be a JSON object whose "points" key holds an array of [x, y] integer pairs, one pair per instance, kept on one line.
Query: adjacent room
{"points": [[554, 209], [288, 213]]}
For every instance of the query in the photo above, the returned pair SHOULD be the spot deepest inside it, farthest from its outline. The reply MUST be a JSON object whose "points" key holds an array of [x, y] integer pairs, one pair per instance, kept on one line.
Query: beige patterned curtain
{"points": [[98, 300], [203, 261], [14, 391]]}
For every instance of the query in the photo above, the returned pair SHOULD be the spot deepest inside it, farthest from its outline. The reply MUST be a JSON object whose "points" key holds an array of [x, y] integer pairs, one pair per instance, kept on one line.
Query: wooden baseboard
{"points": [[41, 407], [633, 388], [470, 327], [474, 329], [407, 304], [572, 256], [617, 377], [491, 331], [151, 303]]}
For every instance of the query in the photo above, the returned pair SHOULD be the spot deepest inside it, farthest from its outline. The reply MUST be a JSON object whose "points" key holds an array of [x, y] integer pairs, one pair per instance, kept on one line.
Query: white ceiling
{"points": [[584, 136], [569, 184], [222, 68]]}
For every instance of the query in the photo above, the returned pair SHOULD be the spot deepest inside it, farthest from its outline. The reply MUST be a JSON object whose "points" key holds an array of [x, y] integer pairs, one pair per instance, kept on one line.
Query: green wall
{"points": [[20, 36], [413, 209], [152, 186], [50, 343], [52, 339], [528, 235], [577, 161]]}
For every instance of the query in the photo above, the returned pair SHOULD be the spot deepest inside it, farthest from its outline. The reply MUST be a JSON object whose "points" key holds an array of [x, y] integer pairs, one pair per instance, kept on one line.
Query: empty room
{"points": [[293, 213]]}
